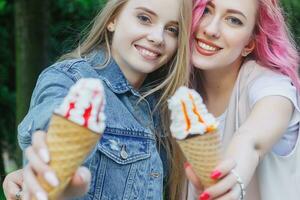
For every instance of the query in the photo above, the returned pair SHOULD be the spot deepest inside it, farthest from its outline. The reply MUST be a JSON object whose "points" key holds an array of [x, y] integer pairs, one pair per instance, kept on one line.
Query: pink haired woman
{"points": [[244, 64]]}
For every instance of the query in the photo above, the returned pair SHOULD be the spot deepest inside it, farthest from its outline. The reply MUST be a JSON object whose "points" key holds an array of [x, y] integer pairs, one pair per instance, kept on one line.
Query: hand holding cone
{"points": [[196, 132], [75, 128]]}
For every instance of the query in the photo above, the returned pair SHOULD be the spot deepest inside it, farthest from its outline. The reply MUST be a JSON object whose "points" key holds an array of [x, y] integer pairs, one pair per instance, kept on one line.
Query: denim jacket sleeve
{"points": [[52, 86]]}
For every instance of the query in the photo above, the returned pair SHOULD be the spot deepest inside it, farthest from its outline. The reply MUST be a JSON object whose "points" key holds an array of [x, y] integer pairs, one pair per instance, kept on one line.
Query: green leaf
{"points": [[2, 5]]}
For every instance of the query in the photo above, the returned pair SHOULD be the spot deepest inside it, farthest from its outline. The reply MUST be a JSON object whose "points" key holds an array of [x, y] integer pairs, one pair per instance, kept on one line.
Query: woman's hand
{"points": [[227, 187], [12, 185], [38, 157]]}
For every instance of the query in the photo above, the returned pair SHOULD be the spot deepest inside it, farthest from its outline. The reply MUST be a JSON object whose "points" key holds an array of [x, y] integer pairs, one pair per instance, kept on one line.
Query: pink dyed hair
{"points": [[275, 48]]}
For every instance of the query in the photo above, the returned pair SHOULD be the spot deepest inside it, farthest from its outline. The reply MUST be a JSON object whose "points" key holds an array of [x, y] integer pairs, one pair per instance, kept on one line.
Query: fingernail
{"points": [[204, 196], [84, 175], [215, 174], [186, 165], [41, 196], [51, 179], [44, 155]]}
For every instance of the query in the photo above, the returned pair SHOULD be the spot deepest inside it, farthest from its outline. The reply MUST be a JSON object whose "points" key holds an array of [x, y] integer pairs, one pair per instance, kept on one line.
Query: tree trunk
{"points": [[31, 39]]}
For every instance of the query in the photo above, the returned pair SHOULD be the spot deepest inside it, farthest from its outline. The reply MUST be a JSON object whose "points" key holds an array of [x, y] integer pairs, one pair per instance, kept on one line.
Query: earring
{"points": [[245, 53], [110, 28]]}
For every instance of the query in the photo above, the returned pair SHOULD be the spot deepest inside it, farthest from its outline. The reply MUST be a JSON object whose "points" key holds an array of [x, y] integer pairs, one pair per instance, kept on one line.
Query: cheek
{"points": [[238, 43], [171, 45]]}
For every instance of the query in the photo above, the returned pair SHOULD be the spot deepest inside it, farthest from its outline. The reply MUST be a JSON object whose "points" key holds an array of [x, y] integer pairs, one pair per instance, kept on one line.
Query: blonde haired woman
{"points": [[138, 49]]}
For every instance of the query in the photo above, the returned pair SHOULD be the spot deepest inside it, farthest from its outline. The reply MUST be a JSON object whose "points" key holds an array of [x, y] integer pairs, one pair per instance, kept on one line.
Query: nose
{"points": [[211, 28], [156, 35]]}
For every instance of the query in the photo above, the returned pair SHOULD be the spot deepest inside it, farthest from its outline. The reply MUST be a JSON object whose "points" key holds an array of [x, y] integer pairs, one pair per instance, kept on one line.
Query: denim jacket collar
{"points": [[111, 73]]}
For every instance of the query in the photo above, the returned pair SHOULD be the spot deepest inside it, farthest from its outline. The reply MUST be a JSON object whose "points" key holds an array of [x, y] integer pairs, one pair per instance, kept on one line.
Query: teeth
{"points": [[206, 47], [148, 53]]}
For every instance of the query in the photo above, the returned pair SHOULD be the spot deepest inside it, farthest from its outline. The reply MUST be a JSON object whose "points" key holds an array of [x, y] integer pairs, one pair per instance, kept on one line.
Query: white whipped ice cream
{"points": [[189, 114], [84, 105]]}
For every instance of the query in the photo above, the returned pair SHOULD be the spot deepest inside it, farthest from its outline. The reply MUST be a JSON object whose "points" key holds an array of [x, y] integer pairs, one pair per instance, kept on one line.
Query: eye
{"points": [[207, 10], [144, 18], [234, 21], [173, 30]]}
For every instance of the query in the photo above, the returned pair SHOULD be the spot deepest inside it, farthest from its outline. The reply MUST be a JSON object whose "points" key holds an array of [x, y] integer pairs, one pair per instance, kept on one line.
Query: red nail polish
{"points": [[204, 196], [215, 174], [186, 165]]}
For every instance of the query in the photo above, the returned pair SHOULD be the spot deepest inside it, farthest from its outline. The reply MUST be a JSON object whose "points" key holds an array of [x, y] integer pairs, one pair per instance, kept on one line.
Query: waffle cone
{"points": [[203, 152], [68, 144]]}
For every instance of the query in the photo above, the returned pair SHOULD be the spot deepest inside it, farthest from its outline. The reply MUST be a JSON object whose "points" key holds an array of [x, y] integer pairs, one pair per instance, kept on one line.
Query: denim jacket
{"points": [[126, 162]]}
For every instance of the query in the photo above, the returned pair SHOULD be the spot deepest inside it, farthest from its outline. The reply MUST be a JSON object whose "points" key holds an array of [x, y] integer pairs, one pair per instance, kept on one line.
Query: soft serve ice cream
{"points": [[84, 105], [189, 115]]}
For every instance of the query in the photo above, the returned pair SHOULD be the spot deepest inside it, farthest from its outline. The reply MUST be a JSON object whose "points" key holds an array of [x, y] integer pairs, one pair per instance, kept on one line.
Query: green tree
{"points": [[31, 41]]}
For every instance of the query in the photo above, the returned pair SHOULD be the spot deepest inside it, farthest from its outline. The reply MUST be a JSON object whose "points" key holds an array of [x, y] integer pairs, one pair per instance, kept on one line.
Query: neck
{"points": [[134, 77], [218, 85], [135, 81], [217, 82]]}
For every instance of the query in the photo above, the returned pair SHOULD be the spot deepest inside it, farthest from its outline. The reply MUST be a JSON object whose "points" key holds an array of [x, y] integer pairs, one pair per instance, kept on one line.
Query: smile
{"points": [[206, 48], [147, 53]]}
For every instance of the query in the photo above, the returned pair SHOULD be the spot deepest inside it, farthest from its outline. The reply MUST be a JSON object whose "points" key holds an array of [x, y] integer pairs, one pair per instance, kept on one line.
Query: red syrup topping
{"points": [[86, 115], [71, 107]]}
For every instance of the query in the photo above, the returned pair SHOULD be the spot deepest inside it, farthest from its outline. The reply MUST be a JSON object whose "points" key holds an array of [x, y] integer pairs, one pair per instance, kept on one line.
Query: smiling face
{"points": [[224, 34], [145, 36]]}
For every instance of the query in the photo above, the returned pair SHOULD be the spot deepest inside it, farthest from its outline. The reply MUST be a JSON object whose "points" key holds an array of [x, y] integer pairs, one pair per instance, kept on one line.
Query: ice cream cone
{"points": [[203, 152], [68, 144], [196, 132], [75, 128]]}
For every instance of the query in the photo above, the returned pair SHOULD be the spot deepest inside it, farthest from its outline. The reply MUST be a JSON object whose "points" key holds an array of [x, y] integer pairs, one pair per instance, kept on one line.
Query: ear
{"points": [[111, 26], [249, 48]]}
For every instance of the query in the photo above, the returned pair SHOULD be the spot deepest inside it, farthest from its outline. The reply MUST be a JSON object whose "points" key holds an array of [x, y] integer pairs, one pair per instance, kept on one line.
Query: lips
{"points": [[148, 53], [206, 48]]}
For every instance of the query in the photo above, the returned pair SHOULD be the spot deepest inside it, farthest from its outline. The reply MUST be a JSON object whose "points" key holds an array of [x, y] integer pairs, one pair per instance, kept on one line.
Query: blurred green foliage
{"points": [[68, 20], [7, 80], [292, 11]]}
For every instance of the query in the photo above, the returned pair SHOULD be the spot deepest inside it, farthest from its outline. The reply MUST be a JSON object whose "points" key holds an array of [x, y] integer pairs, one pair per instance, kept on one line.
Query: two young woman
{"points": [[244, 66]]}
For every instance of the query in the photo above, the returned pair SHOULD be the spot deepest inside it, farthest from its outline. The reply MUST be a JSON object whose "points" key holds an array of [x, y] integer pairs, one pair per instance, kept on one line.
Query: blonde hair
{"points": [[175, 74]]}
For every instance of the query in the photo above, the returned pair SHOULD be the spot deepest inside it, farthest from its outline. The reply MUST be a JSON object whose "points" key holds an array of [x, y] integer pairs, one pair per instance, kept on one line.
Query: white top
{"points": [[268, 86], [279, 85]]}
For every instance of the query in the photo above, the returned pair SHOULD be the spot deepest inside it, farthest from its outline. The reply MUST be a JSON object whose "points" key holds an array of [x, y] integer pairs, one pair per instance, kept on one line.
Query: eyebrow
{"points": [[153, 13], [146, 10], [228, 10]]}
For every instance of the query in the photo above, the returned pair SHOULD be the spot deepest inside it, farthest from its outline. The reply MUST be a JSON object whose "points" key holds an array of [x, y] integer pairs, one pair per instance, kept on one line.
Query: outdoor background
{"points": [[33, 34]]}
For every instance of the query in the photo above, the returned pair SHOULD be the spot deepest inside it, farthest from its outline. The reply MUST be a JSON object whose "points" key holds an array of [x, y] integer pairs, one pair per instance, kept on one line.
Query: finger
{"points": [[233, 194], [223, 169], [40, 146], [32, 187], [222, 187], [192, 177], [40, 168], [79, 184]]}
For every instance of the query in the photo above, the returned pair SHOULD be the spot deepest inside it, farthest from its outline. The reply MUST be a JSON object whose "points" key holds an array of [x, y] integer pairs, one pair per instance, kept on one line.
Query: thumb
{"points": [[79, 184]]}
